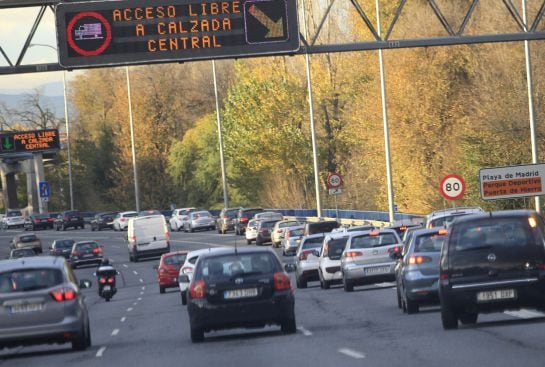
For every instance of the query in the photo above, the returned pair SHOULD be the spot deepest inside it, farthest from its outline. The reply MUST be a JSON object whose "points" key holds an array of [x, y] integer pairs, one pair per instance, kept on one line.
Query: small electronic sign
{"points": [[121, 32], [29, 141]]}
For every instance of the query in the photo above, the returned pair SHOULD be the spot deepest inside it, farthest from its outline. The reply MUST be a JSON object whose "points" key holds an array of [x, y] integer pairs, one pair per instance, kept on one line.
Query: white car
{"points": [[178, 218], [278, 230], [187, 269], [292, 239], [308, 259], [121, 220], [329, 268], [13, 219], [444, 217], [251, 231]]}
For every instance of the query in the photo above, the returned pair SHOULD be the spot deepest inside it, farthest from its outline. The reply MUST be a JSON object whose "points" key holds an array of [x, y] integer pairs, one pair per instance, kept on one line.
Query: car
{"points": [[243, 217], [329, 263], [104, 220], [26, 240], [61, 248], [278, 230], [21, 252], [308, 259], [69, 219], [169, 268], [121, 220], [269, 215], [38, 221], [179, 217], [14, 218], [402, 226], [443, 217], [167, 213], [359, 228], [199, 220], [492, 262], [87, 217], [225, 221], [144, 213], [366, 258], [264, 229], [85, 253], [323, 226], [42, 303], [409, 233], [417, 271], [292, 239], [244, 287], [187, 269], [147, 236], [251, 231]]}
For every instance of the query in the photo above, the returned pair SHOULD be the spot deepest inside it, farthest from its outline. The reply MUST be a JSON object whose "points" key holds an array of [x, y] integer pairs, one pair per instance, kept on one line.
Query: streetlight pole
{"points": [[135, 171], [220, 137]]}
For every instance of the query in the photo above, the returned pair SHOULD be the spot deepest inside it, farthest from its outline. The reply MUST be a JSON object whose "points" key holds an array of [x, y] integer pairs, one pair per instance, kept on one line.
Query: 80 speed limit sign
{"points": [[452, 187]]}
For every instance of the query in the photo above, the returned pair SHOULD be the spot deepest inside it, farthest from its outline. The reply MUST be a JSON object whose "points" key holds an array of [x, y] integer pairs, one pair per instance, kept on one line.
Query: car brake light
{"points": [[394, 249], [197, 289], [281, 281], [132, 238], [403, 228], [374, 234], [162, 270], [353, 253], [419, 260], [243, 219], [63, 294], [442, 232], [121, 219], [110, 280], [97, 250], [102, 280]]}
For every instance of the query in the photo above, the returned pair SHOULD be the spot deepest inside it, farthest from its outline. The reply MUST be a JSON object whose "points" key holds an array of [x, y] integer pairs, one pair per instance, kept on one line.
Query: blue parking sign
{"points": [[45, 190]]}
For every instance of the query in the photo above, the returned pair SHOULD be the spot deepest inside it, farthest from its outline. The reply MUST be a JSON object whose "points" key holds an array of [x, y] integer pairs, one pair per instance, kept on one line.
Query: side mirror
{"points": [[184, 278], [290, 268], [85, 283]]}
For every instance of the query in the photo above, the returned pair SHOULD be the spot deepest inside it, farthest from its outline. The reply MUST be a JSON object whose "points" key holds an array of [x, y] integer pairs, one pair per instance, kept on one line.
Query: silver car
{"points": [[292, 238], [40, 302], [277, 233], [366, 257], [308, 259], [199, 220]]}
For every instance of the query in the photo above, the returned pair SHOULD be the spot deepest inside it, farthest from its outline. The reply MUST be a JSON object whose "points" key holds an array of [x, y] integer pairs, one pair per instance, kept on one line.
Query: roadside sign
{"points": [[121, 32], [334, 180], [452, 187], [335, 191], [512, 181], [29, 141], [45, 190]]}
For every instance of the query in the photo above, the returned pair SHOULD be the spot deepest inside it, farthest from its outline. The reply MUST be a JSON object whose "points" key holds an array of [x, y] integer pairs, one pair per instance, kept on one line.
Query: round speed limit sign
{"points": [[334, 180], [452, 187]]}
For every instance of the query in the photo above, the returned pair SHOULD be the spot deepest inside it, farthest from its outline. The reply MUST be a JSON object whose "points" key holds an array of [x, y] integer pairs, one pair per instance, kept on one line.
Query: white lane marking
{"points": [[135, 272], [123, 319], [524, 314], [144, 288], [134, 303], [100, 352], [385, 284], [141, 293], [141, 280], [116, 246], [139, 299], [202, 243], [351, 353], [304, 331], [125, 265], [115, 332], [129, 309]]}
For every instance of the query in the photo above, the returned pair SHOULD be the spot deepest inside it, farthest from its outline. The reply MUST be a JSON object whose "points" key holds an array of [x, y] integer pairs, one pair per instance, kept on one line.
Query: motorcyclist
{"points": [[106, 270]]}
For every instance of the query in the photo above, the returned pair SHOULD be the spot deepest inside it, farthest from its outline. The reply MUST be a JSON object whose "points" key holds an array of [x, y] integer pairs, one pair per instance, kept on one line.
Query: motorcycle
{"points": [[106, 284]]}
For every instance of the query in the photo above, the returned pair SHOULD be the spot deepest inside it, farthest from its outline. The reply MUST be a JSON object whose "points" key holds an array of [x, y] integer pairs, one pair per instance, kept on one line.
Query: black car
{"points": [[264, 231], [67, 219], [38, 221], [234, 288], [243, 217], [61, 248], [85, 253], [324, 226], [104, 220], [492, 262]]}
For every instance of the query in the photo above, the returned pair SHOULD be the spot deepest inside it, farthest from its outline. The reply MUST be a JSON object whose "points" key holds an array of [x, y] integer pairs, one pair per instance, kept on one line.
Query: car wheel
{"points": [[161, 289], [469, 318], [80, 342], [348, 286], [184, 298], [197, 335], [191, 229], [412, 306], [63, 227], [327, 284], [289, 326], [448, 318], [92, 229], [300, 283], [249, 242], [57, 228]]}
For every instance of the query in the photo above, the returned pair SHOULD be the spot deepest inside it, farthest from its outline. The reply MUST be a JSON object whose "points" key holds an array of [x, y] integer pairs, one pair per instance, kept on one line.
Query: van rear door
{"points": [[151, 232]]}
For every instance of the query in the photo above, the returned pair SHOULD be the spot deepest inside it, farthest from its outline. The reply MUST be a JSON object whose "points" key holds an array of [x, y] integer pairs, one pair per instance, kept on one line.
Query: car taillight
{"points": [[110, 280], [197, 289], [394, 249], [121, 219], [63, 294], [281, 281], [419, 260], [66, 218], [97, 250], [444, 278], [162, 270], [352, 254], [243, 219], [132, 238], [187, 270], [102, 280], [374, 234], [167, 235]]}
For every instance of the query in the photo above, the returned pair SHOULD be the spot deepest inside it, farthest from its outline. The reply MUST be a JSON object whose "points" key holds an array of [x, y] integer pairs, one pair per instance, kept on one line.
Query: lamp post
{"points": [[67, 127], [135, 172]]}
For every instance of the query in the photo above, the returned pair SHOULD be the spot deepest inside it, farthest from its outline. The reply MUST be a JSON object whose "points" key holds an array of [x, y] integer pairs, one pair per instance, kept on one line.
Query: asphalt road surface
{"points": [[141, 327]]}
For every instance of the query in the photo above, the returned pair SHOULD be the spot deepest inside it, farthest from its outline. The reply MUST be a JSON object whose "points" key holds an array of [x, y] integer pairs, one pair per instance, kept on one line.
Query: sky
{"points": [[15, 25]]}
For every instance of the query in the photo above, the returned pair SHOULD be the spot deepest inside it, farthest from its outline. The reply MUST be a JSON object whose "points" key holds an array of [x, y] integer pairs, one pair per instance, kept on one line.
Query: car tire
{"points": [[327, 284], [449, 318], [191, 230], [81, 341], [63, 227], [197, 335], [412, 306], [161, 289], [57, 228], [469, 318], [249, 242], [348, 286], [184, 298], [300, 283], [289, 326]]}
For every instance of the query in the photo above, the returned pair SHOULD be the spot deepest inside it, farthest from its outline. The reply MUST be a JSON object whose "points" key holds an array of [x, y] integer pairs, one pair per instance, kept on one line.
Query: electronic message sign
{"points": [[29, 141], [104, 33]]}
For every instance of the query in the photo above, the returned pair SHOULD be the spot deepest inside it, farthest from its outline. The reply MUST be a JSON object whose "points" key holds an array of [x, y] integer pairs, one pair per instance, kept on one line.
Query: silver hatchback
{"points": [[40, 302]]}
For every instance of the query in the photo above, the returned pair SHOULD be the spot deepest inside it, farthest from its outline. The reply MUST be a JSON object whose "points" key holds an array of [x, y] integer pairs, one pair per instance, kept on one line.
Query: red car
{"points": [[168, 269]]}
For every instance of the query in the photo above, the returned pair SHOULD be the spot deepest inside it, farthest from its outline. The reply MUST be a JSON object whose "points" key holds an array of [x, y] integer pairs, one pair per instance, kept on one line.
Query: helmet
{"points": [[105, 262]]}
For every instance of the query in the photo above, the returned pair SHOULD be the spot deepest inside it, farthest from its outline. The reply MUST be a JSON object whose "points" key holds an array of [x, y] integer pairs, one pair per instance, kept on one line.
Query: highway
{"points": [[141, 327]]}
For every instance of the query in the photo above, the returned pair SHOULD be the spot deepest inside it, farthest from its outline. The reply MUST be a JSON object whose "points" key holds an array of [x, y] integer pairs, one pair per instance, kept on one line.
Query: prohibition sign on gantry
{"points": [[121, 32]]}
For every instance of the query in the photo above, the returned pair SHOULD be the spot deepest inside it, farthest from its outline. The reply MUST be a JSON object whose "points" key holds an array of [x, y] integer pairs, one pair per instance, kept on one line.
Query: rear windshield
{"points": [[492, 232], [201, 215], [175, 259], [314, 242], [130, 215], [193, 260], [444, 221], [238, 265], [335, 248], [86, 246], [322, 227], [431, 242], [41, 216], [29, 280], [267, 224], [250, 213], [28, 238], [287, 224], [22, 252], [370, 240], [64, 244], [231, 213], [15, 213], [296, 232]]}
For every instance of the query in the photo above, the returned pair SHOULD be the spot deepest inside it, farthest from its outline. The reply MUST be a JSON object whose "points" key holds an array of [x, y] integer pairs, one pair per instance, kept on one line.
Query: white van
{"points": [[147, 236]]}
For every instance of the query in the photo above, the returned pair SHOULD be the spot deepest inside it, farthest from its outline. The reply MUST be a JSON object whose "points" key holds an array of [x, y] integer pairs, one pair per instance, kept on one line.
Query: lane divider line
{"points": [[524, 314], [129, 309], [115, 332], [351, 353], [141, 280], [100, 352], [134, 303], [139, 298], [135, 272], [123, 319], [304, 331], [144, 288], [125, 265], [141, 293]]}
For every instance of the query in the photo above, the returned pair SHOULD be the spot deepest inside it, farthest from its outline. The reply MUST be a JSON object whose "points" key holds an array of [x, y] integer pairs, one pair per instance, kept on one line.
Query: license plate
{"points": [[26, 307], [107, 288], [377, 270], [240, 293], [499, 294], [88, 255]]}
